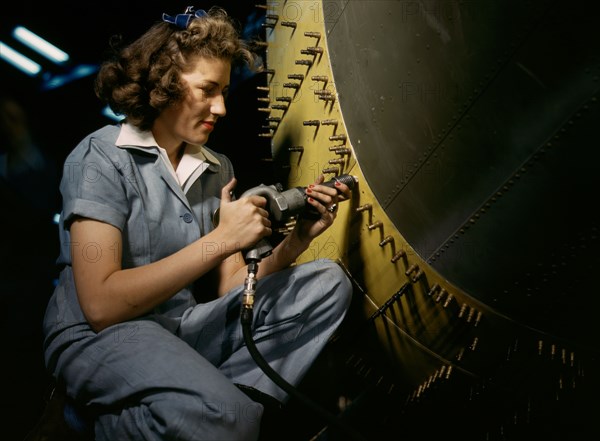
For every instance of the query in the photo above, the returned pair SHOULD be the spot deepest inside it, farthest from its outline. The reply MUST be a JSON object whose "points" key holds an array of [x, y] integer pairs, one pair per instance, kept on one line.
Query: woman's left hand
{"points": [[325, 202]]}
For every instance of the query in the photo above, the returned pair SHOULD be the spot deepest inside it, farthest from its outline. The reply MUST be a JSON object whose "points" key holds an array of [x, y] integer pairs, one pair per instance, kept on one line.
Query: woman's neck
{"points": [[174, 148], [175, 155]]}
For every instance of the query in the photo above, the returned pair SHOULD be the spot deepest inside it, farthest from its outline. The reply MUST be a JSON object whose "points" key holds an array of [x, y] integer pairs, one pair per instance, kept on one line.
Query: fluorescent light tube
{"points": [[19, 60], [40, 45]]}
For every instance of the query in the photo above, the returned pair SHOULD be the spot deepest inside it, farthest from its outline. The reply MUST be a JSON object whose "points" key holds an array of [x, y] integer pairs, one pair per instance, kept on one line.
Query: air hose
{"points": [[246, 317]]}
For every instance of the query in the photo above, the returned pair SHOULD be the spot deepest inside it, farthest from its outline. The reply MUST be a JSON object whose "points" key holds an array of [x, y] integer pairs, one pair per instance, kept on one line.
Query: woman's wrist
{"points": [[217, 244], [295, 244]]}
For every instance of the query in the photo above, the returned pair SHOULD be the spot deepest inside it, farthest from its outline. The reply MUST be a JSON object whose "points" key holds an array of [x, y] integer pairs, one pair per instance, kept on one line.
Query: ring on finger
{"points": [[332, 208]]}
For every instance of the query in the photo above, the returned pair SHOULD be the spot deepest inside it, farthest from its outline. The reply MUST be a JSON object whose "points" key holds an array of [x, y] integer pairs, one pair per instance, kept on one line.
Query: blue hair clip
{"points": [[183, 20]]}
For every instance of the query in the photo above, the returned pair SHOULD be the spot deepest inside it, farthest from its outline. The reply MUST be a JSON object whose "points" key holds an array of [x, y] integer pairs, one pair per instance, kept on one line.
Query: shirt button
{"points": [[187, 218]]}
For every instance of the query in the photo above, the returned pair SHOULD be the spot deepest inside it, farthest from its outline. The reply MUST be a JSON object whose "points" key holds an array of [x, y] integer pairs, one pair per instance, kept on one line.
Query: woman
{"points": [[123, 330]]}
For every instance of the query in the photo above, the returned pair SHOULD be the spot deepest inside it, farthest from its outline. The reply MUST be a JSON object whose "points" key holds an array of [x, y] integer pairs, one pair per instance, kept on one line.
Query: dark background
{"points": [[57, 119], [60, 117]]}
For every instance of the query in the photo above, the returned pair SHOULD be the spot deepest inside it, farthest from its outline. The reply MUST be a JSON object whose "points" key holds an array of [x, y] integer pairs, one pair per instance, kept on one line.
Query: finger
{"points": [[324, 189], [343, 191], [258, 201], [266, 222], [227, 190], [321, 194], [318, 205], [263, 213]]}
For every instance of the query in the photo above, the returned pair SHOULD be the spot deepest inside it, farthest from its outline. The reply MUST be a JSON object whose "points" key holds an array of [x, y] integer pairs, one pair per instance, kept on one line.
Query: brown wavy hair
{"points": [[143, 78]]}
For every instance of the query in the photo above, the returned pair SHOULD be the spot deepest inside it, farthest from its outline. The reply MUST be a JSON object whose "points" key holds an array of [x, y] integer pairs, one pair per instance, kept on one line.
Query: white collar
{"points": [[194, 162]]}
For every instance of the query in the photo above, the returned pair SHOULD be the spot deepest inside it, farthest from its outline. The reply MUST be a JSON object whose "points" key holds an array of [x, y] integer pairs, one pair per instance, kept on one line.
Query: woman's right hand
{"points": [[244, 221]]}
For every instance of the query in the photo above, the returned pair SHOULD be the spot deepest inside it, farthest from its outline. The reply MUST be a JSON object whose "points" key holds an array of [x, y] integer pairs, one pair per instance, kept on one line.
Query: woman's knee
{"points": [[336, 284], [225, 419], [227, 413]]}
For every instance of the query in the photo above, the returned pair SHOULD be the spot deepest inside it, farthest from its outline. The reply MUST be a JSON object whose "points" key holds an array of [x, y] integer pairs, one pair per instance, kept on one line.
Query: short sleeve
{"points": [[92, 185]]}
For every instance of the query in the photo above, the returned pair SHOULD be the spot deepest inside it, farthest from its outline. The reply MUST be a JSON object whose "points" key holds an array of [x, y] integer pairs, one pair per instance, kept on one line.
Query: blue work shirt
{"points": [[132, 188]]}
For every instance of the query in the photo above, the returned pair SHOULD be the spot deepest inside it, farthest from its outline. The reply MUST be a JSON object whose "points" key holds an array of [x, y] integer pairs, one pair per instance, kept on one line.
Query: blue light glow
{"points": [[57, 80], [107, 111]]}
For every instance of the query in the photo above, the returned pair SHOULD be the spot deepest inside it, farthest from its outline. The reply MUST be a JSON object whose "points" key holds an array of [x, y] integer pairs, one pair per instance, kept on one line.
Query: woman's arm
{"points": [[320, 197], [109, 294], [233, 270]]}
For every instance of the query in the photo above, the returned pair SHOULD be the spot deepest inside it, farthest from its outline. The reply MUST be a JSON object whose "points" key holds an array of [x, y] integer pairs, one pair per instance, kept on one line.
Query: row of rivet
{"points": [[511, 181], [363, 369], [443, 372], [470, 347], [414, 272], [389, 302], [553, 353], [310, 50]]}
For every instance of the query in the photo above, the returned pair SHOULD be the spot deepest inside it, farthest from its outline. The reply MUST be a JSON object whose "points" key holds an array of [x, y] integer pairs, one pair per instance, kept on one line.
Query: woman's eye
{"points": [[209, 91]]}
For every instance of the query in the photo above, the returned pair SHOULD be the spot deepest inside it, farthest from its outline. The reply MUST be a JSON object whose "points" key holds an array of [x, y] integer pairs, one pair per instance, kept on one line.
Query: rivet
{"points": [[386, 240], [441, 294], [338, 138], [313, 50], [448, 300], [340, 150], [413, 267], [377, 224], [398, 256], [312, 122]]}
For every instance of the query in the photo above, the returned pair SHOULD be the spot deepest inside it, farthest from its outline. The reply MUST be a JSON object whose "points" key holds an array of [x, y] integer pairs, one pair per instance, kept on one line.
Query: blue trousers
{"points": [[149, 380]]}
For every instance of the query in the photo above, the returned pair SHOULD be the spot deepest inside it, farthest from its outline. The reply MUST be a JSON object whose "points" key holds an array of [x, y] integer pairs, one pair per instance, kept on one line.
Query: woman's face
{"points": [[192, 120]]}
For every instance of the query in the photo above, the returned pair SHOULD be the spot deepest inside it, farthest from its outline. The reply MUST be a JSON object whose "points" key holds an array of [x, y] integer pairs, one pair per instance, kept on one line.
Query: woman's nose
{"points": [[218, 106]]}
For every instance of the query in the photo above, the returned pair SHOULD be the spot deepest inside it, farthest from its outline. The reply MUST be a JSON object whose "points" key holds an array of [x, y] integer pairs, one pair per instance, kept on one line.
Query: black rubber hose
{"points": [[287, 387]]}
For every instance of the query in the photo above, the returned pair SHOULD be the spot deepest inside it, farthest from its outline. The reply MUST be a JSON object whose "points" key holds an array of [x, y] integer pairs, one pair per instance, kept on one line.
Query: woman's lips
{"points": [[208, 124]]}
